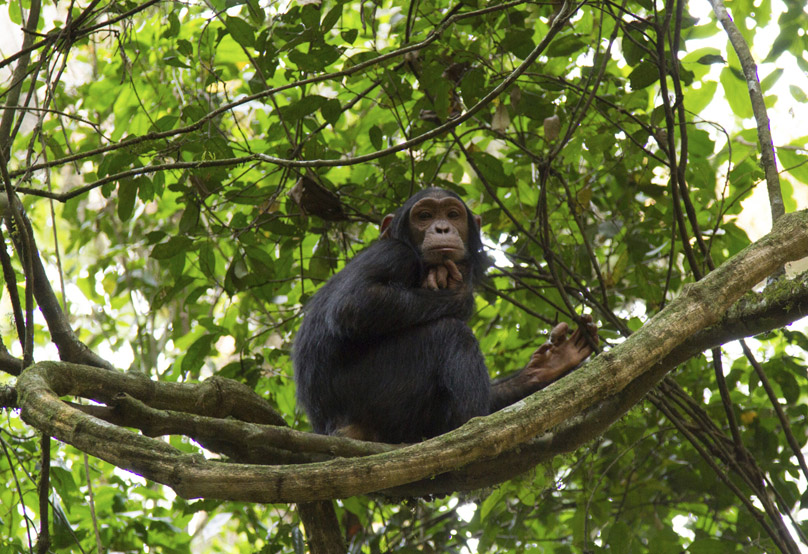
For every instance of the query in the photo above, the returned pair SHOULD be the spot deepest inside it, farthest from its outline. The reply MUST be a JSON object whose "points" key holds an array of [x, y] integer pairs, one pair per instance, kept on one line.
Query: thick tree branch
{"points": [[631, 365], [779, 305], [275, 443]]}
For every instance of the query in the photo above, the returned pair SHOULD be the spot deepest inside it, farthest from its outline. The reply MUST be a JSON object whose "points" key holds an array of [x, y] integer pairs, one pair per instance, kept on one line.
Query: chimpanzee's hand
{"points": [[444, 276]]}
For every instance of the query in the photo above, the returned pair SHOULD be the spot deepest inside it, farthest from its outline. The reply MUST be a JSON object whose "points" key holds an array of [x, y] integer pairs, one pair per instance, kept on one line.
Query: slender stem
{"points": [[758, 107]]}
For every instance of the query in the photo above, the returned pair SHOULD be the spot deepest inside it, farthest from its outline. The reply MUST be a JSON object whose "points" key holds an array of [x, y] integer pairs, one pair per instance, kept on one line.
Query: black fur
{"points": [[378, 351]]}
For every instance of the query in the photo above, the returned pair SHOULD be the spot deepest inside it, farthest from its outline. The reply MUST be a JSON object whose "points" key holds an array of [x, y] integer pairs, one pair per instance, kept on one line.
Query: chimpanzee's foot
{"points": [[562, 353]]}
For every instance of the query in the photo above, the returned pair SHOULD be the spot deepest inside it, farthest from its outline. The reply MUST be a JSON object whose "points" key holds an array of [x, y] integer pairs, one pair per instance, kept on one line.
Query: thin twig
{"points": [[758, 107]]}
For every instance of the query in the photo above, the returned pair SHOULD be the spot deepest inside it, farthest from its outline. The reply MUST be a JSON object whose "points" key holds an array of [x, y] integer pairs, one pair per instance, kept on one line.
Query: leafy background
{"points": [[194, 171]]}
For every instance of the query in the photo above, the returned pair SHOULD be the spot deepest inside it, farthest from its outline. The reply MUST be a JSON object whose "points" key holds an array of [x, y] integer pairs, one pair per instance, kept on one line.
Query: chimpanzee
{"points": [[384, 352]]}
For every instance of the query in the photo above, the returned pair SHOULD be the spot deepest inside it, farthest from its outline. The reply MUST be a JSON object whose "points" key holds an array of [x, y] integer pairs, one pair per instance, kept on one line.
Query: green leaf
{"points": [[737, 95], [620, 537], [331, 18], [565, 46], [175, 246], [331, 110], [710, 59], [698, 99], [798, 94], [189, 219], [472, 87], [185, 48], [493, 501], [771, 79], [803, 64], [241, 31], [535, 106], [303, 107], [278, 227], [173, 28], [127, 192], [349, 35], [698, 63], [635, 45], [14, 13], [257, 14], [376, 137], [196, 353], [316, 59], [519, 42], [173, 59], [116, 161], [787, 38], [643, 75], [207, 260], [794, 163], [310, 13], [491, 169], [165, 123]]}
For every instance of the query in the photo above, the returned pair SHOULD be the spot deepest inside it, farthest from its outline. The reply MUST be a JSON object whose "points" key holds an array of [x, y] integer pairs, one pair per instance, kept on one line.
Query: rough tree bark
{"points": [[633, 365]]}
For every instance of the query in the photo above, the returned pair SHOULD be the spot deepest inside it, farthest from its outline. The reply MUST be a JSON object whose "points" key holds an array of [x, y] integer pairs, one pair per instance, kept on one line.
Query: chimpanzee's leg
{"points": [[412, 385]]}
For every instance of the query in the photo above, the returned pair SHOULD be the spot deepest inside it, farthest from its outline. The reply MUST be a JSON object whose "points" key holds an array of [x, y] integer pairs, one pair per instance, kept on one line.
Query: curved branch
{"points": [[279, 443], [781, 304], [8, 363], [70, 347], [629, 365]]}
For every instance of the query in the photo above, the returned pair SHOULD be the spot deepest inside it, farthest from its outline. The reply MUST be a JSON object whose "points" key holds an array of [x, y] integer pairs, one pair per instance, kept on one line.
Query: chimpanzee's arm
{"points": [[380, 291]]}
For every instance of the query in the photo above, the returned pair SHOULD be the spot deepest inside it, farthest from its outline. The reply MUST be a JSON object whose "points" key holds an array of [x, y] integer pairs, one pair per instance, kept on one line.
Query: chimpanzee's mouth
{"points": [[444, 250]]}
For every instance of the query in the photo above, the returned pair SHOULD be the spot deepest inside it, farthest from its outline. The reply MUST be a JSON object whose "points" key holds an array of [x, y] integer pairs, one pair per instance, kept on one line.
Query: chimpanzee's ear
{"points": [[384, 229], [479, 221]]}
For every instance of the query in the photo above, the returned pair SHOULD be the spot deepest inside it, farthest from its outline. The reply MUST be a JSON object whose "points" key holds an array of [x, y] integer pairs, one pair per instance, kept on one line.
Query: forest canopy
{"points": [[178, 179]]}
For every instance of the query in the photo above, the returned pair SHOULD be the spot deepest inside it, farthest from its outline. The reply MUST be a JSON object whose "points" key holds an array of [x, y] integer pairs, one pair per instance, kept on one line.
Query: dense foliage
{"points": [[194, 171]]}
